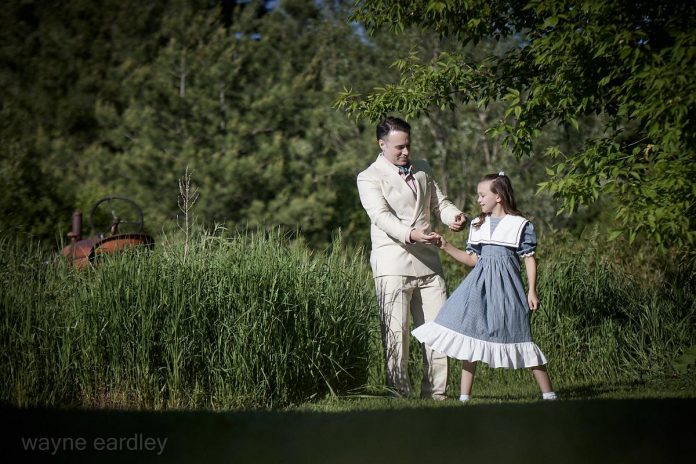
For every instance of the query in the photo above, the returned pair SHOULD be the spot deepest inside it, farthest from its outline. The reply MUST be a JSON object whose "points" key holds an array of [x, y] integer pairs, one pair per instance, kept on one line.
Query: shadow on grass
{"points": [[599, 390], [576, 392], [562, 431]]}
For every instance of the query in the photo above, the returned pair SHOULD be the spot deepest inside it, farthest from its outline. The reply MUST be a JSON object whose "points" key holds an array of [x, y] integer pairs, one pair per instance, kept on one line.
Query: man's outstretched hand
{"points": [[459, 222], [419, 236]]}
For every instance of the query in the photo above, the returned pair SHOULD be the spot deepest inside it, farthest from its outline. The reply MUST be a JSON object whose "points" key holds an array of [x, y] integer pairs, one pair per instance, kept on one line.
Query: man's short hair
{"points": [[389, 124]]}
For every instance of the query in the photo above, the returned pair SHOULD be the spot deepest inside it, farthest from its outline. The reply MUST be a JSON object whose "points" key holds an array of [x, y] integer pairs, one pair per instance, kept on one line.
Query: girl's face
{"points": [[487, 199]]}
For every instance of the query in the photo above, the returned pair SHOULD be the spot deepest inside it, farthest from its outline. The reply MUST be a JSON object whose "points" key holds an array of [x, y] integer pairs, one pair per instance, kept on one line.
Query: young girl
{"points": [[487, 317]]}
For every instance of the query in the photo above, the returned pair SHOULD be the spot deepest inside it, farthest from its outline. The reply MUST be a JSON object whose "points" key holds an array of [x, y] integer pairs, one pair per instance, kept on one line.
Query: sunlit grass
{"points": [[260, 321], [247, 321]]}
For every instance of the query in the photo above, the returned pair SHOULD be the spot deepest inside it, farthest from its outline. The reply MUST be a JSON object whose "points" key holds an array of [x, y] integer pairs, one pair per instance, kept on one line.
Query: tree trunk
{"points": [[486, 147], [182, 76]]}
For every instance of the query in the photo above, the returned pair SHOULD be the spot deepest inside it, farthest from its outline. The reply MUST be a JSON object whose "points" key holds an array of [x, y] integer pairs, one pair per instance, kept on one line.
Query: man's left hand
{"points": [[459, 222]]}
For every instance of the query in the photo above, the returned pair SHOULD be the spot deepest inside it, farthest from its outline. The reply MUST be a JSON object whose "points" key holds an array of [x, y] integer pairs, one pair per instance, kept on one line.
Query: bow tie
{"points": [[405, 170]]}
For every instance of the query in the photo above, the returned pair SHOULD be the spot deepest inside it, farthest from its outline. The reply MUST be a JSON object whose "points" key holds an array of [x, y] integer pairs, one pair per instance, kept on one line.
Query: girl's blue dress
{"points": [[487, 317]]}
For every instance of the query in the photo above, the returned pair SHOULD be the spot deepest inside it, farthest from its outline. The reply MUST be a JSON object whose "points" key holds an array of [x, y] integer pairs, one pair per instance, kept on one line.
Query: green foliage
{"points": [[119, 97], [594, 290], [610, 314], [441, 84], [687, 361], [57, 60], [245, 321], [632, 64], [251, 320], [246, 106]]}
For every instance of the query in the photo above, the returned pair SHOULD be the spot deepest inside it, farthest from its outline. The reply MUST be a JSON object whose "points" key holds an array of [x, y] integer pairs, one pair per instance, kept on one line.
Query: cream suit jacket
{"points": [[394, 211]]}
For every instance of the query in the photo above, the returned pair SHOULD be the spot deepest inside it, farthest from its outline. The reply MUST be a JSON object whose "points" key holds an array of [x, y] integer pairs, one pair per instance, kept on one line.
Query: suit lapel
{"points": [[420, 180], [393, 177]]}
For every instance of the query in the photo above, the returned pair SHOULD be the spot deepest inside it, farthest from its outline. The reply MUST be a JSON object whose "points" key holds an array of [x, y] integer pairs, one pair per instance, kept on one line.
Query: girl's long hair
{"points": [[502, 186]]}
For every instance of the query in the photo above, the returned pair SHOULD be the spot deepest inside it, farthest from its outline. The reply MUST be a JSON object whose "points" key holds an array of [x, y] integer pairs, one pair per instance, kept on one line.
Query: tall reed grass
{"points": [[258, 320], [251, 321], [610, 314]]}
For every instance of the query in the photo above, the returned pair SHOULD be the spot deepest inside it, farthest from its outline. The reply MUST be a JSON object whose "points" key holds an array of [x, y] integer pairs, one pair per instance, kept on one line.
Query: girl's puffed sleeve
{"points": [[528, 242], [473, 249]]}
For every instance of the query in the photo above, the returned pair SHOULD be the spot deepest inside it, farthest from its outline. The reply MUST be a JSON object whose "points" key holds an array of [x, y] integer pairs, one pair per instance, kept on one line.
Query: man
{"points": [[399, 196]]}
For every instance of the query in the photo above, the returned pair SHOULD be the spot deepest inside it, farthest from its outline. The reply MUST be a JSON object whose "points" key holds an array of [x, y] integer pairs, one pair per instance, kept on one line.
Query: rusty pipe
{"points": [[75, 232]]}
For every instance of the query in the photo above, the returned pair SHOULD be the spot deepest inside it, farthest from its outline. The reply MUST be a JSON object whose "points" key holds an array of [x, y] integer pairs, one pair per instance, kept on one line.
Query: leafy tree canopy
{"points": [[121, 98], [630, 64]]}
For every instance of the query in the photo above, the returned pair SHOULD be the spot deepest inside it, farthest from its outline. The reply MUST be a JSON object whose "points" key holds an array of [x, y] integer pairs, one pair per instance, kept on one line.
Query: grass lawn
{"points": [[168, 372], [625, 423], [493, 393]]}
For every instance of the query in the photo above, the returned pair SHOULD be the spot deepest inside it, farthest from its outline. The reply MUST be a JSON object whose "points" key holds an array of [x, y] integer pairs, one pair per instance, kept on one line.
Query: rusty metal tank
{"points": [[121, 222]]}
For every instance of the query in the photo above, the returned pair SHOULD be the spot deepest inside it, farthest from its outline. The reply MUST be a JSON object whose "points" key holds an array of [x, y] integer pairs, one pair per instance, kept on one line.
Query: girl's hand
{"points": [[442, 242], [533, 300]]}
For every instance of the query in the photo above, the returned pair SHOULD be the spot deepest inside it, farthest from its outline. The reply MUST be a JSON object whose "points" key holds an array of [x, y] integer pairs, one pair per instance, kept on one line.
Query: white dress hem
{"points": [[460, 346]]}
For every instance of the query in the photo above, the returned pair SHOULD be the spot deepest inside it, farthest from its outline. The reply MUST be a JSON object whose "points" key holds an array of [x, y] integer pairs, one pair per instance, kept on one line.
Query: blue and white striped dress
{"points": [[487, 317]]}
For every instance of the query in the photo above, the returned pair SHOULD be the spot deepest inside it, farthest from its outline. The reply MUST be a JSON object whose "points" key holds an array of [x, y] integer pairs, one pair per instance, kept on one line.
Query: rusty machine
{"points": [[117, 224]]}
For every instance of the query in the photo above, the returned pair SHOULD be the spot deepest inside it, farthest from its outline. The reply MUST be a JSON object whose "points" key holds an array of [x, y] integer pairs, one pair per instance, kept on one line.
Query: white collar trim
{"points": [[508, 232]]}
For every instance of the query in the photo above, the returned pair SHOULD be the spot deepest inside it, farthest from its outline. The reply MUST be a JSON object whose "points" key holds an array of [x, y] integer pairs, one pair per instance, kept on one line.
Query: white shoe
{"points": [[464, 398]]}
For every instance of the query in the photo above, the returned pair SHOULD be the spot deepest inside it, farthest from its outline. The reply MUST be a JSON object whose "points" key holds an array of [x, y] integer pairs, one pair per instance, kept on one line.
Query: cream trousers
{"points": [[422, 297]]}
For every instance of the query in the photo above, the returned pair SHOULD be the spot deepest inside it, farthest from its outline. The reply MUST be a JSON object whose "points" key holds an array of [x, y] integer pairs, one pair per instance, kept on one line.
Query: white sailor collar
{"points": [[508, 232]]}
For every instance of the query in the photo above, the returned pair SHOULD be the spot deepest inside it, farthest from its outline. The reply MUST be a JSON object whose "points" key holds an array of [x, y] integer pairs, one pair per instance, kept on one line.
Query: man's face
{"points": [[396, 147]]}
